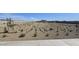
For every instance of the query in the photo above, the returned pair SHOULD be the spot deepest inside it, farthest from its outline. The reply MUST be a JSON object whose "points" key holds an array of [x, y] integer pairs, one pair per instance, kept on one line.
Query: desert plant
{"points": [[30, 29], [5, 30], [57, 34], [10, 23], [40, 29], [50, 28], [57, 29], [67, 34], [44, 29], [76, 34], [21, 35], [71, 30], [34, 35], [35, 29], [63, 29], [21, 30], [47, 35], [4, 36]]}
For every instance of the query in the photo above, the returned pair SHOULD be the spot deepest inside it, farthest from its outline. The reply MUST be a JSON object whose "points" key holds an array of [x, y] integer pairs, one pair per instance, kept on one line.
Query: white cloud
{"points": [[34, 19]]}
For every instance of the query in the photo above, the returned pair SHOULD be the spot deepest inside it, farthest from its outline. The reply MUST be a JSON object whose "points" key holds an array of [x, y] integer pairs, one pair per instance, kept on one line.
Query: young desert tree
{"points": [[5, 30], [10, 23]]}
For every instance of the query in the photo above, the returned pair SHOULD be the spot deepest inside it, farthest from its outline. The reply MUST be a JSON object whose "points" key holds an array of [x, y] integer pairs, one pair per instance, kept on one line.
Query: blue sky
{"points": [[39, 16]]}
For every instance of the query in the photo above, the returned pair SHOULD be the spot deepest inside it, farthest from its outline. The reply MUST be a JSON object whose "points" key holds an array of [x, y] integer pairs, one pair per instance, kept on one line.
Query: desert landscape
{"points": [[11, 30]]}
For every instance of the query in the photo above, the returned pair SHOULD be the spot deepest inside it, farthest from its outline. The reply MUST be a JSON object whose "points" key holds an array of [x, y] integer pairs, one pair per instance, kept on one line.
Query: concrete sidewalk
{"points": [[56, 42]]}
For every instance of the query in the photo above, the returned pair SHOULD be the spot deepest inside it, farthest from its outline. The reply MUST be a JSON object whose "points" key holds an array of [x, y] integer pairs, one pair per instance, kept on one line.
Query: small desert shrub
{"points": [[67, 34], [76, 25], [15, 32], [34, 35], [35, 29], [50, 28], [30, 29], [21, 30], [47, 35], [40, 29], [76, 34], [21, 35], [57, 34], [5, 30], [64, 30], [71, 30], [44, 29], [77, 30], [4, 36], [57, 29]]}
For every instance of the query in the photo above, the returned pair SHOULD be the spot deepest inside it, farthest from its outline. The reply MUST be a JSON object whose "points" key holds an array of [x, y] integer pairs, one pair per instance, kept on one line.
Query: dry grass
{"points": [[42, 30]]}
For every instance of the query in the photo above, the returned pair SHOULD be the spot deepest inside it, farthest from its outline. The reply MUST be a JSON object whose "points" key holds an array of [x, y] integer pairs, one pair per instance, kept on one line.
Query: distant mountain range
{"points": [[70, 22]]}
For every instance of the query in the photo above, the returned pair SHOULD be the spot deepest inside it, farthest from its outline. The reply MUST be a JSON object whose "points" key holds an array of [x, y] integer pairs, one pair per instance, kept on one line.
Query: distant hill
{"points": [[71, 22]]}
